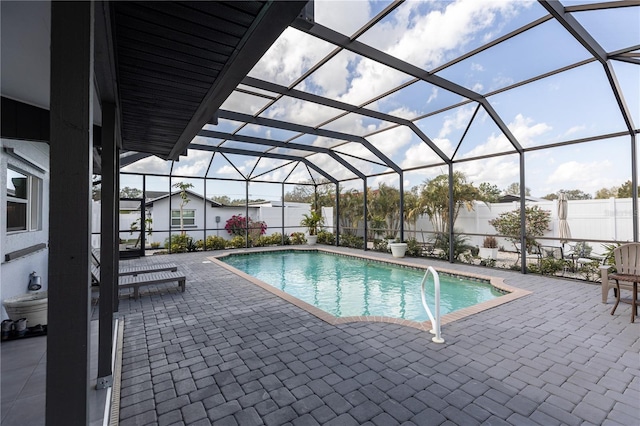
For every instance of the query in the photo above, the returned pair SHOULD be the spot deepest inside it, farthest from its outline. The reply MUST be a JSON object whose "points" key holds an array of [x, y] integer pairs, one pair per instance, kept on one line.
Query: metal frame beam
{"points": [[278, 124], [369, 52], [280, 144], [265, 85], [236, 151]]}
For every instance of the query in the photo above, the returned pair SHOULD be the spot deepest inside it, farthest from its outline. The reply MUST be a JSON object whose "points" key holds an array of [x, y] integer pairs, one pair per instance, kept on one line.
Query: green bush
{"points": [[215, 242], [263, 241], [414, 249], [550, 265], [298, 238], [200, 245], [326, 237], [351, 241], [380, 245], [459, 244], [179, 243], [238, 242]]}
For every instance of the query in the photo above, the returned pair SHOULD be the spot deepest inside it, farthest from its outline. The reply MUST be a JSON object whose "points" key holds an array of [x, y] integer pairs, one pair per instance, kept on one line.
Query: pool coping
{"points": [[512, 293]]}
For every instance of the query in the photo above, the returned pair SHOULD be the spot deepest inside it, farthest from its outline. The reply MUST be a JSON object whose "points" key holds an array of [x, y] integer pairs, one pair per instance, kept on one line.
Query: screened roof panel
{"points": [[300, 112], [257, 91], [267, 132], [629, 79], [273, 169], [366, 167], [613, 29], [203, 140], [224, 125], [150, 165], [404, 147], [484, 137], [351, 78], [512, 60], [245, 103], [222, 168], [355, 149], [429, 34], [290, 151], [195, 163], [331, 165], [561, 107], [416, 100], [244, 145], [293, 54], [346, 17], [357, 124], [446, 128]]}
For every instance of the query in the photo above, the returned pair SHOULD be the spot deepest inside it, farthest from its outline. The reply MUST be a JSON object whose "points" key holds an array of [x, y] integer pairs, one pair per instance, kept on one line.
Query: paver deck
{"points": [[227, 352]]}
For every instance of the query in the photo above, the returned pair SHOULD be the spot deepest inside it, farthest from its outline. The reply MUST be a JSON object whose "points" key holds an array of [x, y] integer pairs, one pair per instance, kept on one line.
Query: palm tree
{"points": [[351, 205], [435, 199]]}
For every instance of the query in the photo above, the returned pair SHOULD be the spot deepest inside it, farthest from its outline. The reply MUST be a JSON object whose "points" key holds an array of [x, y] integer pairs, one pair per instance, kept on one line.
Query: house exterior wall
{"points": [[14, 274]]}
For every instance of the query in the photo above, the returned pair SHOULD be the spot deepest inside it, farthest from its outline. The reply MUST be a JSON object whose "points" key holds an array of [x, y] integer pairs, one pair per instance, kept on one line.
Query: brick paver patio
{"points": [[226, 352]]}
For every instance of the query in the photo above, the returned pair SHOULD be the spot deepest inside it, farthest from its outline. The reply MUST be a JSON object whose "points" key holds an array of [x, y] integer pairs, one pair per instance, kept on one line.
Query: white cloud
{"points": [[420, 154], [195, 164], [459, 120], [574, 174], [476, 67], [345, 16]]}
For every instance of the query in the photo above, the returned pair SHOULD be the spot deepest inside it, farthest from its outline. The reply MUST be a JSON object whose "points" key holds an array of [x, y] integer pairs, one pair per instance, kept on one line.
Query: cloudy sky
{"points": [[571, 105]]}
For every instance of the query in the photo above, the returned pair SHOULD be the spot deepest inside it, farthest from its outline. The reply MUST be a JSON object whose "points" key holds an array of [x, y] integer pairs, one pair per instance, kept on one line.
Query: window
{"points": [[24, 201], [188, 217]]}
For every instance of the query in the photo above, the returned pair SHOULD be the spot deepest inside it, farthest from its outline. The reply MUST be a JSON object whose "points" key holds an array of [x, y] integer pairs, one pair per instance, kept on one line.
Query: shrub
{"points": [[351, 241], [536, 223], [490, 242], [298, 238], [263, 241], [326, 237], [380, 245], [238, 242], [215, 242], [414, 249], [179, 243], [155, 245], [237, 226], [200, 245], [459, 244]]}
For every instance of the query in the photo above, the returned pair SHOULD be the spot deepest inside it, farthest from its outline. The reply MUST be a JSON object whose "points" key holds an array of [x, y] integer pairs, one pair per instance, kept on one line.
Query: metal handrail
{"points": [[435, 321]]}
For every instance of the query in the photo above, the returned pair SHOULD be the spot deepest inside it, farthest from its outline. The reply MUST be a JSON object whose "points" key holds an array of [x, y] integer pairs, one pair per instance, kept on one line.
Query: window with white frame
{"points": [[188, 217], [24, 201]]}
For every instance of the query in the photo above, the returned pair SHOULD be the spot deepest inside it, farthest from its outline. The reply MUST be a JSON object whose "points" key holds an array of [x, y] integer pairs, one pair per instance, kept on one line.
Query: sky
{"points": [[572, 105]]}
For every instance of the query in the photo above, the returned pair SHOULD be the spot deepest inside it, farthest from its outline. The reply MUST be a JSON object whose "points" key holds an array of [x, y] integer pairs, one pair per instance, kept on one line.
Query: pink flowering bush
{"points": [[237, 225]]}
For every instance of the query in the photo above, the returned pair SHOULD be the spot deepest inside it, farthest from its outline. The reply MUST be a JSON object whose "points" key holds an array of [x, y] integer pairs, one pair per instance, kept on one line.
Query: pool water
{"points": [[347, 286]]}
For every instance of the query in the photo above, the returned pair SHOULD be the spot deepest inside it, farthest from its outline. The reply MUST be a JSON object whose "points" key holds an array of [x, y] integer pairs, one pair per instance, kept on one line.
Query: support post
{"points": [[450, 218], [108, 249], [246, 214], [634, 186], [71, 107], [283, 229], [523, 218], [337, 225], [401, 176], [364, 209]]}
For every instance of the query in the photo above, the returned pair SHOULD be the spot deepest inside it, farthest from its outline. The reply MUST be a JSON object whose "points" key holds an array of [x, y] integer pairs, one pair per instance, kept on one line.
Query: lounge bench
{"points": [[139, 269], [143, 279]]}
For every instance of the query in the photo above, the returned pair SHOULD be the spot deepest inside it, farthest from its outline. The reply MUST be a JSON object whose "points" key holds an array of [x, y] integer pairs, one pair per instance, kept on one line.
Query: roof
{"points": [[191, 195]]}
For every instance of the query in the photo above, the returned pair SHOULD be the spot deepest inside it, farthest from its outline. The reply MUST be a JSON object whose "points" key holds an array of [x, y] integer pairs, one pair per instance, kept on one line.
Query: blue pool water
{"points": [[346, 286]]}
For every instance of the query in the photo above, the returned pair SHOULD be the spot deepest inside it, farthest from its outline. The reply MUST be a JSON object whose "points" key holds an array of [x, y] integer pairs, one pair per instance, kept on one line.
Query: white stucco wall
{"points": [[14, 275]]}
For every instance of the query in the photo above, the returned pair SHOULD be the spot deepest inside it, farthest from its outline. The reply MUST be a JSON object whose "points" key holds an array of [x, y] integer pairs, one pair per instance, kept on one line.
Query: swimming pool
{"points": [[347, 286]]}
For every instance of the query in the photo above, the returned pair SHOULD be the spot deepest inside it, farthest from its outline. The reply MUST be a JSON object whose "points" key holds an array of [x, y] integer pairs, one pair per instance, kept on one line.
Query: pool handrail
{"points": [[435, 321]]}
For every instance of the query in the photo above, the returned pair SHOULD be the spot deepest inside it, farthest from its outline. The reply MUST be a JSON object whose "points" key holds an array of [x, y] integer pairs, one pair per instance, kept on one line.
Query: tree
{"points": [[514, 189], [385, 203], [412, 207], [604, 193], [571, 194], [185, 200], [622, 191], [536, 224], [351, 210], [434, 197], [625, 190], [222, 199], [489, 192], [127, 192]]}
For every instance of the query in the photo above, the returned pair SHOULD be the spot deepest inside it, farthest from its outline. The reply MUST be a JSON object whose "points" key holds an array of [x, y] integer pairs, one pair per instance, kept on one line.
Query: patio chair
{"points": [[143, 279], [626, 277]]}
